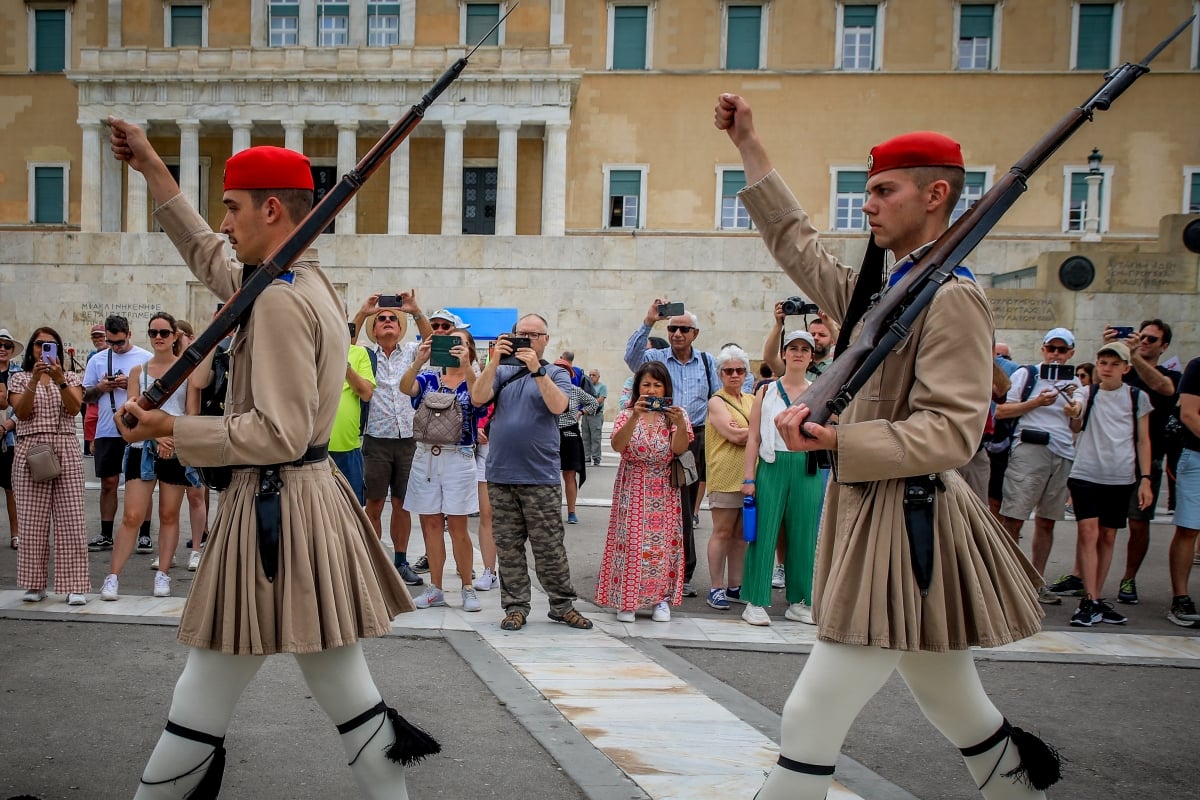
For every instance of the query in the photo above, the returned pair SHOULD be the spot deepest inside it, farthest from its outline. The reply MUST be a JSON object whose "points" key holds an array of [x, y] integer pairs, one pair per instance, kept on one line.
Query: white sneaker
{"points": [[154, 563], [487, 581], [194, 561], [110, 590], [432, 596], [799, 612], [778, 577], [76, 599], [662, 612], [625, 616], [162, 585], [756, 615], [34, 596], [470, 600]]}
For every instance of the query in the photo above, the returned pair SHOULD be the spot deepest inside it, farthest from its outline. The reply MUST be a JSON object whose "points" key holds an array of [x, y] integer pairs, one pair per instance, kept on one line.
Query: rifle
{"points": [[316, 221], [893, 312]]}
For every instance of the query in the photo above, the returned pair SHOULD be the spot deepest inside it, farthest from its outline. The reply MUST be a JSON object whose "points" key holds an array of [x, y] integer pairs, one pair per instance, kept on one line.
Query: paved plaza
{"points": [[684, 710]]}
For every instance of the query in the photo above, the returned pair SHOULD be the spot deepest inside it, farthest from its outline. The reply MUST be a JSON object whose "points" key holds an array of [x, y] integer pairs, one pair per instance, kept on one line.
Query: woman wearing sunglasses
{"points": [[726, 433], [45, 401], [149, 462]]}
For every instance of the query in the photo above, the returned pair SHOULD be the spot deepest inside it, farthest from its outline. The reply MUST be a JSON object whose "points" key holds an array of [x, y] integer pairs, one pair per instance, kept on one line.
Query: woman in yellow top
{"points": [[726, 434]]}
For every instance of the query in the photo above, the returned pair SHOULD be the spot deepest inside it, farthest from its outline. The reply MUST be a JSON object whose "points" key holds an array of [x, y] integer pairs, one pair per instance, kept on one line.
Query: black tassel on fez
{"points": [[1041, 764]]}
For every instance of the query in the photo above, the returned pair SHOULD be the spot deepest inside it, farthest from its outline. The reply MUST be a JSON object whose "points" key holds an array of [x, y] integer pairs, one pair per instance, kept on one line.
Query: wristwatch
{"points": [[541, 372]]}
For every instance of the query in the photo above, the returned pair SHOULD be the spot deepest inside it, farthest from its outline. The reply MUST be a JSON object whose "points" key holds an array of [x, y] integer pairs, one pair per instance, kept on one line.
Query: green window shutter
{"points": [[285, 10], [975, 22], [732, 182], [1078, 187], [1095, 37], [187, 26], [1194, 197], [622, 182], [743, 37], [51, 41], [629, 37], [974, 180], [480, 19], [858, 16], [851, 181], [48, 195]]}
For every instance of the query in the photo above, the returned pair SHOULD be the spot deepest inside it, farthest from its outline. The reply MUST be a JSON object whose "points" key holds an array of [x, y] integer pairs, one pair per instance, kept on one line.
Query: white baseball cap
{"points": [[451, 317]]}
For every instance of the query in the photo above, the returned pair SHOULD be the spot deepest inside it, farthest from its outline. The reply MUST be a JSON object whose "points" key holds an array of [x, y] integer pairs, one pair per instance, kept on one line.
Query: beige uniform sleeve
{"points": [[202, 249]]}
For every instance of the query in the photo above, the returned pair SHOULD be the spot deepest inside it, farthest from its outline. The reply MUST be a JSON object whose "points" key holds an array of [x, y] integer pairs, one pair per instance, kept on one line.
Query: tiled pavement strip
{"points": [[634, 701]]}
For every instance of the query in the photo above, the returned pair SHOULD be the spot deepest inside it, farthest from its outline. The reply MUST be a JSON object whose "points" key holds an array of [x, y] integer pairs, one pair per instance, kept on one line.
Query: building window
{"points": [[284, 23], [744, 31], [1095, 33], [626, 187], [185, 25], [1191, 190], [333, 24], [478, 19], [48, 37], [858, 42], [850, 192], [975, 36], [48, 193], [629, 34], [732, 214], [1075, 198], [383, 23], [974, 185]]}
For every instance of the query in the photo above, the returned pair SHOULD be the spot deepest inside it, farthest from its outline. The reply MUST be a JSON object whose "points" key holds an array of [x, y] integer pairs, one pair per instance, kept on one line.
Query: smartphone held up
{"points": [[49, 352]]}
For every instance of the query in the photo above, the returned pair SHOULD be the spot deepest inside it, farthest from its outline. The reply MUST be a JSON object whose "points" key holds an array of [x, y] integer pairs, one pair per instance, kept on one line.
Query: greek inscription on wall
{"points": [[1146, 273], [1027, 309], [93, 313]]}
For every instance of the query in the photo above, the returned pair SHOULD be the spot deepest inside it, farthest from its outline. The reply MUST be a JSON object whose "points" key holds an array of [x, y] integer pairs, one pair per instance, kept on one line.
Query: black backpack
{"points": [[212, 397], [1003, 430]]}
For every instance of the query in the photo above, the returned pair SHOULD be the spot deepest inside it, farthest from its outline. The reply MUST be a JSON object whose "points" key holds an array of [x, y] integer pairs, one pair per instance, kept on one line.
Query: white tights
{"points": [[838, 680], [209, 689]]}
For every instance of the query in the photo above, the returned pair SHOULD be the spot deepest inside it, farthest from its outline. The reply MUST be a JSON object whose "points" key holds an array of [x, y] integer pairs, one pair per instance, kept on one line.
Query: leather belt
{"points": [[268, 506], [314, 454]]}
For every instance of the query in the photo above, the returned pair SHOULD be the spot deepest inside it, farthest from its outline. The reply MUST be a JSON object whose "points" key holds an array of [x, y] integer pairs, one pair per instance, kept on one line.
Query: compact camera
{"points": [[795, 307], [658, 403]]}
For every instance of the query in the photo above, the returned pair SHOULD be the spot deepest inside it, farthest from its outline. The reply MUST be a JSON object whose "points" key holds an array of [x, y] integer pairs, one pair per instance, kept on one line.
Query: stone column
{"points": [[452, 178], [92, 181], [347, 157], [241, 134], [398, 179], [506, 180], [189, 160], [110, 183], [293, 135], [554, 180], [308, 25], [1091, 214], [135, 201], [357, 35]]}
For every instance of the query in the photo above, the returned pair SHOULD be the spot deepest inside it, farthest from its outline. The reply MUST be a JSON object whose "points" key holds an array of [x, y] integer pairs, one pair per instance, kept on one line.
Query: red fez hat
{"points": [[266, 167], [917, 149]]}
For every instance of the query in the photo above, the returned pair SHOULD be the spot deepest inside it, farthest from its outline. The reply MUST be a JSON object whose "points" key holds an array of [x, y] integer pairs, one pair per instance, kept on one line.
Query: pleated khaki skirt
{"points": [[983, 592], [334, 584]]}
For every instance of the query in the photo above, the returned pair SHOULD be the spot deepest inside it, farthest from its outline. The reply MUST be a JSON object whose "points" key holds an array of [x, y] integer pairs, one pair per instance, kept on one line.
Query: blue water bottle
{"points": [[749, 518]]}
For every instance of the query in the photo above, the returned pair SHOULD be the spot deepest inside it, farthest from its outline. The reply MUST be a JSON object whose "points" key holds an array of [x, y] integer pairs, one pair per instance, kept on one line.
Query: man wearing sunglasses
{"points": [[104, 383], [694, 379], [1043, 450]]}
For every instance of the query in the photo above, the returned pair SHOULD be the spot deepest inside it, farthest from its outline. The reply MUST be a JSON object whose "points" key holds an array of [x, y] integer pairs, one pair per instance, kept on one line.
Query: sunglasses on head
{"points": [[155, 333], [1150, 339], [680, 329], [733, 370], [387, 318], [1056, 348]]}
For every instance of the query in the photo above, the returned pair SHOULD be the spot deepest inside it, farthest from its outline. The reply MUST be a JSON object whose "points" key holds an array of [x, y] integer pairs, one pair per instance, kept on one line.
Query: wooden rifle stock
{"points": [[892, 315], [316, 221]]}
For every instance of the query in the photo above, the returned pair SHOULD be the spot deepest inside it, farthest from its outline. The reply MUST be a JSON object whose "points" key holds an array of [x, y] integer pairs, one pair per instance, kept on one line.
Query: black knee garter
{"points": [[210, 785], [1040, 766], [411, 744]]}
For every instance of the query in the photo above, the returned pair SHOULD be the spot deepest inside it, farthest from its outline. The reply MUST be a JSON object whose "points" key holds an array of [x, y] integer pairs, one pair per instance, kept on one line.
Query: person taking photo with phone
{"points": [[45, 400]]}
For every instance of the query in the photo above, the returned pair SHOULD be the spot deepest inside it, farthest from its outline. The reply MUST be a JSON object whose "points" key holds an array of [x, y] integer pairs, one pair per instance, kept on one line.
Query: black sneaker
{"points": [[1110, 615], [101, 542], [689, 590], [1183, 612], [145, 545], [1067, 586], [408, 576], [1087, 615], [422, 564], [1128, 592]]}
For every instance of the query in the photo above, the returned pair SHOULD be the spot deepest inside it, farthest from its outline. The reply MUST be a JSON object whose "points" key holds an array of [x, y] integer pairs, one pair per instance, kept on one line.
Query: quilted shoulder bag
{"points": [[438, 419], [42, 462]]}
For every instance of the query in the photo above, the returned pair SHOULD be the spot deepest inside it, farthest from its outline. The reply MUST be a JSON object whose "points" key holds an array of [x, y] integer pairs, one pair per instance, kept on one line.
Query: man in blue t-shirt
{"points": [[523, 473]]}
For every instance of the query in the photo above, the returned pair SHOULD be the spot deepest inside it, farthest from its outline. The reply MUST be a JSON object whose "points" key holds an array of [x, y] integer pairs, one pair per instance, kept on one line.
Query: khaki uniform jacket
{"points": [[335, 582], [922, 412]]}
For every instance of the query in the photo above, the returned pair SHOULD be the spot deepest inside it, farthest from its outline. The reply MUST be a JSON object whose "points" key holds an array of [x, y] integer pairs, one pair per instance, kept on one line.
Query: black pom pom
{"points": [[1041, 764], [210, 785], [412, 744]]}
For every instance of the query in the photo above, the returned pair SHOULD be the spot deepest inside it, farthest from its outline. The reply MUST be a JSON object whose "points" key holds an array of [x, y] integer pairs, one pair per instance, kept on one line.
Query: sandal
{"points": [[513, 621], [572, 618]]}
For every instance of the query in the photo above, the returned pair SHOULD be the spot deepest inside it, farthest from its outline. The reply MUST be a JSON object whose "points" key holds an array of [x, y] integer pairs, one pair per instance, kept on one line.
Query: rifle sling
{"points": [[870, 281]]}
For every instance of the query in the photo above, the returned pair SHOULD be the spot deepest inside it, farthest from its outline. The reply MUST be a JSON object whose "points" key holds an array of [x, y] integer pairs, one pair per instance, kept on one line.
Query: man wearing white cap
{"points": [[1043, 449]]}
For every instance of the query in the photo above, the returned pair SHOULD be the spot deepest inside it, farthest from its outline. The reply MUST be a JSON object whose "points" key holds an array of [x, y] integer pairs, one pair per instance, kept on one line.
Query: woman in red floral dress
{"points": [[643, 554]]}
